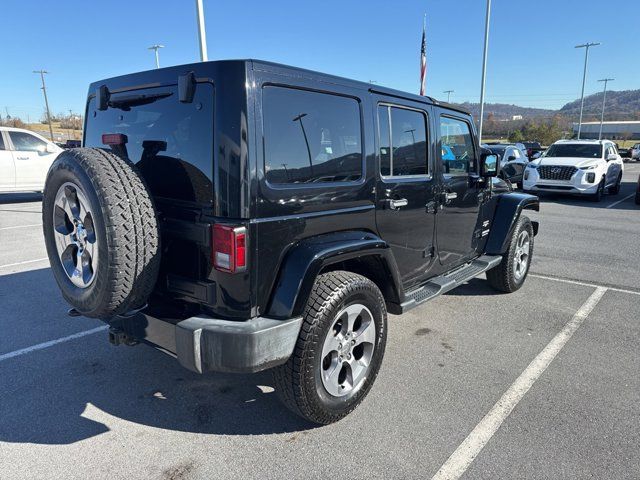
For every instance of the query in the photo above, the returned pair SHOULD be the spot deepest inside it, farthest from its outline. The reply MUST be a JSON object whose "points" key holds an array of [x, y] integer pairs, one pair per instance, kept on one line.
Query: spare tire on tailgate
{"points": [[101, 232]]}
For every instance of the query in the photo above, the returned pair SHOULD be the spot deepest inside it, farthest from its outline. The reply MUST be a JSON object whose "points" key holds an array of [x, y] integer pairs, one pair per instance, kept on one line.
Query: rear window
{"points": [[171, 142], [310, 137], [574, 150]]}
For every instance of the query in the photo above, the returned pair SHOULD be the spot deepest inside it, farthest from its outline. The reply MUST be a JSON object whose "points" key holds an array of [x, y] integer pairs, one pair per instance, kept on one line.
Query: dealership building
{"points": [[629, 130]]}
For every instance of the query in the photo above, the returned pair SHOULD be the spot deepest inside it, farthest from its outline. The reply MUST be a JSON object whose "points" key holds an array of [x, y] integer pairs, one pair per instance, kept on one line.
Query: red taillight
{"points": [[229, 250], [114, 139]]}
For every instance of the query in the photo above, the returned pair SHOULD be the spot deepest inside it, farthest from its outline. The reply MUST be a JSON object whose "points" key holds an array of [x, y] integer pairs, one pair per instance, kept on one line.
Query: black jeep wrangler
{"points": [[243, 215]]}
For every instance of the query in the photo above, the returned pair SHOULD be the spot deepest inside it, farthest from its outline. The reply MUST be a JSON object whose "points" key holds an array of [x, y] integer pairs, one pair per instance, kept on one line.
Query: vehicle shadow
{"points": [[71, 391], [475, 287], [8, 198], [626, 189]]}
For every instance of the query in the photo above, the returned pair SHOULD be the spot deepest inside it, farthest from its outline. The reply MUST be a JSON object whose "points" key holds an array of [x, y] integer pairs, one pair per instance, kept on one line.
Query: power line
{"points": [[46, 101]]}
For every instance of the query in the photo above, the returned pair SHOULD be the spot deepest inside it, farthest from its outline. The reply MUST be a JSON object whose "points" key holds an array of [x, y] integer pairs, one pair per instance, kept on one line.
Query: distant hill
{"points": [[622, 105], [503, 111]]}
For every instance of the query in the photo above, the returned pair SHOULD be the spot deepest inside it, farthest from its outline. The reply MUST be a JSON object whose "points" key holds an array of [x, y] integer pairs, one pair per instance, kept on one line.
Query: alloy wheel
{"points": [[75, 236], [347, 350], [521, 257]]}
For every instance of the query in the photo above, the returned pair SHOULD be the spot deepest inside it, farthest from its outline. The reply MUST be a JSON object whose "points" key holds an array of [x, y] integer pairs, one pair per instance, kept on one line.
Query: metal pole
{"points": [[46, 101], [604, 98], [202, 36], [484, 67], [448, 92], [156, 47], [586, 46]]}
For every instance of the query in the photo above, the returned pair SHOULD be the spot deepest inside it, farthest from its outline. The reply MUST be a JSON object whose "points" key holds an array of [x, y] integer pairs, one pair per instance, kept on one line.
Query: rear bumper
{"points": [[204, 344]]}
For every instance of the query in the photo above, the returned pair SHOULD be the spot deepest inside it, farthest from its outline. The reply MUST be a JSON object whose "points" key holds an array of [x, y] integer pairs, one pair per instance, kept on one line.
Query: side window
{"points": [[458, 153], [516, 153], [310, 137], [1, 142], [25, 142], [403, 142]]}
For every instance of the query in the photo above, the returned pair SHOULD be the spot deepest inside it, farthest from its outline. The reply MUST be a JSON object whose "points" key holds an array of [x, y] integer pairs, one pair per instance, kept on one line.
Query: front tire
{"points": [[511, 273], [339, 349], [615, 190], [597, 197]]}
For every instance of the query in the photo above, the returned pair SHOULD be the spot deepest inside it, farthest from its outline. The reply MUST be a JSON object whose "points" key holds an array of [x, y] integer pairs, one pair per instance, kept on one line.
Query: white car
{"points": [[577, 167], [25, 158], [635, 151]]}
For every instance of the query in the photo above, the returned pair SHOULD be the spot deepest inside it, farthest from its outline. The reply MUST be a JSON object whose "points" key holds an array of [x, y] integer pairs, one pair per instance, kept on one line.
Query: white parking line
{"points": [[584, 284], [465, 454], [51, 343], [21, 226], [620, 201], [24, 263]]}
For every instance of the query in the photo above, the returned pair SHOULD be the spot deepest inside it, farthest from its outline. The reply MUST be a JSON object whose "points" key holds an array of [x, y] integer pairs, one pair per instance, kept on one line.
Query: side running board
{"points": [[442, 284]]}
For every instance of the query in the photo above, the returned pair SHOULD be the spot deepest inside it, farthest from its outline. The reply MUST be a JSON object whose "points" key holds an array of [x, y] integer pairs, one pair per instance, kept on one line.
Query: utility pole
{"points": [[46, 101], [604, 98], [484, 66], [449, 92], [586, 47], [202, 36], [155, 48]]}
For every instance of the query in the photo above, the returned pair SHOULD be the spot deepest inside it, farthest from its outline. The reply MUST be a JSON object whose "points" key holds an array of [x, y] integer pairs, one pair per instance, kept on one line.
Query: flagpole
{"points": [[423, 57], [484, 67]]}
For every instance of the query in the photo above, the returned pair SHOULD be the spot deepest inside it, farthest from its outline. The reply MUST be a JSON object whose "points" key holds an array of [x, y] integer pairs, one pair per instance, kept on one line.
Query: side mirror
{"points": [[535, 155], [610, 157], [50, 148], [511, 158], [488, 164]]}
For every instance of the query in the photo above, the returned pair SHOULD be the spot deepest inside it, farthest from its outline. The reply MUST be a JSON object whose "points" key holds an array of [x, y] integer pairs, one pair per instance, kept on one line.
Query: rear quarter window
{"points": [[310, 137]]}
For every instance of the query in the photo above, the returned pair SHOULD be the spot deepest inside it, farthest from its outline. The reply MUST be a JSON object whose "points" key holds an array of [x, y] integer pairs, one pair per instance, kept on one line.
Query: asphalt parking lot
{"points": [[542, 383]]}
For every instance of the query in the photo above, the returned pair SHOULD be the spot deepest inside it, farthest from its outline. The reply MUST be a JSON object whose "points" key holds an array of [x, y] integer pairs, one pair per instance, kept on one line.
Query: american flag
{"points": [[423, 57]]}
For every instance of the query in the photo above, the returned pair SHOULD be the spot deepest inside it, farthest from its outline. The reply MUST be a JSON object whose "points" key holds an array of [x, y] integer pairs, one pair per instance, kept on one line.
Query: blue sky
{"points": [[532, 61]]}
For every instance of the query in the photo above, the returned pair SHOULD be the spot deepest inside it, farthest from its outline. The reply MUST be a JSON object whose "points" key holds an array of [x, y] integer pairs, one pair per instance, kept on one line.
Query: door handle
{"points": [[450, 196], [22, 158], [397, 204]]}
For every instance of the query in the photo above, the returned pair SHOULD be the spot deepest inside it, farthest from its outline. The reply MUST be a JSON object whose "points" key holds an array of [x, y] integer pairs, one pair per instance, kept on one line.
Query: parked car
{"points": [[531, 148], [635, 152], [638, 192], [294, 209], [513, 161], [25, 158], [577, 167]]}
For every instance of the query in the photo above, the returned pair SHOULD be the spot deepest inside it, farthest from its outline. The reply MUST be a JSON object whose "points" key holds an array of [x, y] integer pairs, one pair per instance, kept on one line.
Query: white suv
{"points": [[578, 167], [25, 158]]}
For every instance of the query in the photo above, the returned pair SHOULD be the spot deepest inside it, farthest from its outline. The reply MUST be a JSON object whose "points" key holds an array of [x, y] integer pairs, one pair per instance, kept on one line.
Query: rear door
{"points": [[461, 192], [7, 167], [405, 187]]}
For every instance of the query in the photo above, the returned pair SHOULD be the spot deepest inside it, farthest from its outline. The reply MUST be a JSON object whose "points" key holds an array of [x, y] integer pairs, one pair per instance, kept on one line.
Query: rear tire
{"points": [[101, 232], [339, 350], [511, 273]]}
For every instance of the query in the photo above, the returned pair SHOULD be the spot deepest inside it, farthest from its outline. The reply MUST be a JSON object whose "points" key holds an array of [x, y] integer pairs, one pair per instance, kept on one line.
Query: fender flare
{"points": [[506, 215], [309, 257]]}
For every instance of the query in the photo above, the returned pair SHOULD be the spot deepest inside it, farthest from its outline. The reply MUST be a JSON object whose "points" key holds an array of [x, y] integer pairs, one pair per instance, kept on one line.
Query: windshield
{"points": [[583, 150]]}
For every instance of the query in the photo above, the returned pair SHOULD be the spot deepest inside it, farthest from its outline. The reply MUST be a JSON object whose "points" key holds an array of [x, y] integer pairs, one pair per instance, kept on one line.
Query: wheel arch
{"points": [[506, 215], [358, 252]]}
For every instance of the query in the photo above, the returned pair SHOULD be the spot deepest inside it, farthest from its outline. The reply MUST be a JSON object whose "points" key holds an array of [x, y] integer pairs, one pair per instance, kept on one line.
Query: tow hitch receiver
{"points": [[118, 337]]}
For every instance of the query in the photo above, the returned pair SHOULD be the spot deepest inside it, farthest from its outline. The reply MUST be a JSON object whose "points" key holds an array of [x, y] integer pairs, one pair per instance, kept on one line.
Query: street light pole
{"points": [[46, 101], [484, 66], [604, 98], [202, 36], [448, 92], [586, 47], [155, 48]]}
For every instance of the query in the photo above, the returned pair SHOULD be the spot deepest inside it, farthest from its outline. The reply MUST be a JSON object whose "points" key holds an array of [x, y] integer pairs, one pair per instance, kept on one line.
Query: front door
{"points": [[32, 160], [7, 168], [461, 192], [405, 186]]}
